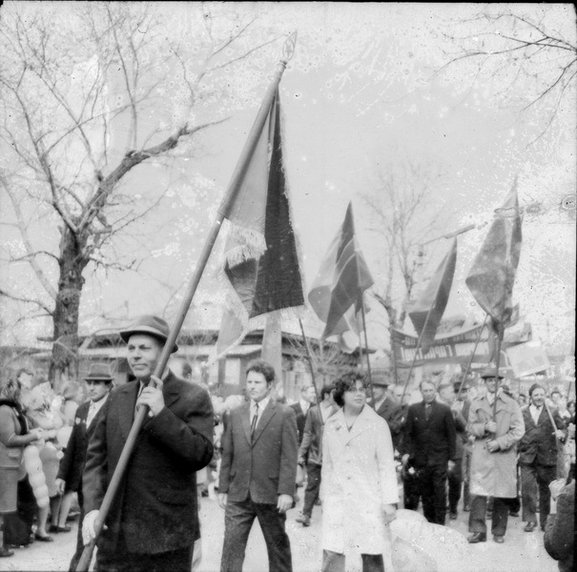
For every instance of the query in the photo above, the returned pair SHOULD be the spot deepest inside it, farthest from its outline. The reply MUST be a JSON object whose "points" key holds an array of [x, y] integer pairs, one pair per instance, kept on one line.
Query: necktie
{"points": [[254, 421], [427, 411]]}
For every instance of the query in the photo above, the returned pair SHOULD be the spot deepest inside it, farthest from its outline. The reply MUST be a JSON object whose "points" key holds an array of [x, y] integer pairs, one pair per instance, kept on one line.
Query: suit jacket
{"points": [[429, 442], [156, 505], [393, 415], [265, 466], [539, 443], [300, 418], [310, 449]]}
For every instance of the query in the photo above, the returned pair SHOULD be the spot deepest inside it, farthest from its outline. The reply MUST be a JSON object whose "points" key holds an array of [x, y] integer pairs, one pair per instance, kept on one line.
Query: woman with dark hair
{"points": [[14, 436], [358, 479]]}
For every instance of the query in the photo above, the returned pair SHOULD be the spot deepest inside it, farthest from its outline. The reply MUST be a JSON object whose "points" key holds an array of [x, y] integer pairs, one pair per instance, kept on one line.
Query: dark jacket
{"points": [[265, 466], [311, 450], [539, 443], [156, 506], [429, 442], [300, 418], [393, 415], [72, 463], [559, 536]]}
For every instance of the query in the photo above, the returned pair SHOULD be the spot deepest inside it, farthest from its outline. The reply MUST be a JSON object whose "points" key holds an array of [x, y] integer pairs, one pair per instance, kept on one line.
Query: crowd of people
{"points": [[360, 448]]}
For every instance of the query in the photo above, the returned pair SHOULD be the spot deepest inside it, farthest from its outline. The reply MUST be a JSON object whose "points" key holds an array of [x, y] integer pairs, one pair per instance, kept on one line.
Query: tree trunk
{"points": [[72, 262]]}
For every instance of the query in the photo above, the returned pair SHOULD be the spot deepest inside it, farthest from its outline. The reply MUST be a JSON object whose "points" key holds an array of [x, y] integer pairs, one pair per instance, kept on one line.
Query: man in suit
{"points": [[307, 398], [310, 450], [258, 472], [538, 456], [69, 478], [429, 443], [387, 407], [455, 476], [153, 521]]}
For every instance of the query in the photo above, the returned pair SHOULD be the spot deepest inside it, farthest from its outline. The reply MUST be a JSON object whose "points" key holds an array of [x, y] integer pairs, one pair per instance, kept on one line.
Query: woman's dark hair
{"points": [[325, 391], [344, 383], [261, 366], [10, 390]]}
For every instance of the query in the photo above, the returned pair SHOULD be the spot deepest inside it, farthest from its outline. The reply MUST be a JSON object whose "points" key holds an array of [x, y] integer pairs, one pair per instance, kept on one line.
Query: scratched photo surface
{"points": [[123, 126]]}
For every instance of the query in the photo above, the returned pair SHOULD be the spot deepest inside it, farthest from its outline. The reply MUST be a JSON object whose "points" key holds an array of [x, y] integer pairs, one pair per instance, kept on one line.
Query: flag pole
{"points": [[419, 341], [471, 358], [311, 362], [223, 211], [500, 334], [367, 350]]}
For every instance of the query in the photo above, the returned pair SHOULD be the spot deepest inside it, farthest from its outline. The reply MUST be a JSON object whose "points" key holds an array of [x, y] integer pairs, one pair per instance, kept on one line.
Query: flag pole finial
{"points": [[288, 49]]}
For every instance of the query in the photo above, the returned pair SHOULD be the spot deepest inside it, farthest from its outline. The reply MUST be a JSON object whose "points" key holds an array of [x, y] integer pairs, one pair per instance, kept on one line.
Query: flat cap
{"points": [[151, 325]]}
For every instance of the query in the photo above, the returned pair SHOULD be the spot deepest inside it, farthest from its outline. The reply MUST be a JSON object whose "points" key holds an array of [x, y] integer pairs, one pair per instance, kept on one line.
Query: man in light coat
{"points": [[494, 458]]}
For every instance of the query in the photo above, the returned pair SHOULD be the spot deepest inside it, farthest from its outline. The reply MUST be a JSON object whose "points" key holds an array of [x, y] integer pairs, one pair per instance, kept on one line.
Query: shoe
{"points": [[530, 527], [4, 553], [499, 539], [514, 514], [57, 529], [41, 538], [304, 519], [477, 537], [453, 515], [467, 508]]}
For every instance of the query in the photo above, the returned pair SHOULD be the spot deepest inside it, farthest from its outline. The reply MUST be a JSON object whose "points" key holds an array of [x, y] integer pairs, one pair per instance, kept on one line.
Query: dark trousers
{"points": [[455, 480], [411, 490], [313, 487], [79, 542], [121, 560], [238, 520], [433, 480], [535, 478], [466, 478], [479, 512], [335, 562]]}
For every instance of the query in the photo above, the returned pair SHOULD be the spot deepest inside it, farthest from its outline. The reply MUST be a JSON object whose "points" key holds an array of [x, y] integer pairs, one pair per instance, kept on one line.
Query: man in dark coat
{"points": [[429, 444], [538, 456], [69, 478], [153, 521], [307, 398], [311, 452], [387, 407], [258, 472]]}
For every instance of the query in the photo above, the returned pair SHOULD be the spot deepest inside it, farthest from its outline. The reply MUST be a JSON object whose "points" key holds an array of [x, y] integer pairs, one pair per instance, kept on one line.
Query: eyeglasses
{"points": [[362, 390]]}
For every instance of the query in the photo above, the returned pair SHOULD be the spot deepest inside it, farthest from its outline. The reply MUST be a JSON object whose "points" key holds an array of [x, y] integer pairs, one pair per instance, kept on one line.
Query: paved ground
{"points": [[522, 552]]}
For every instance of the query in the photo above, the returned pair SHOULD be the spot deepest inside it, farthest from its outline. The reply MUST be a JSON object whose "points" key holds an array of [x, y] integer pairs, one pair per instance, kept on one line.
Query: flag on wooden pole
{"points": [[492, 275], [427, 311], [262, 265], [341, 281]]}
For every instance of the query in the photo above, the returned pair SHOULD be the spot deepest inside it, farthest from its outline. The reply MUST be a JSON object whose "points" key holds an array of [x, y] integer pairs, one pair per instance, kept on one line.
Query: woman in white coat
{"points": [[358, 479]]}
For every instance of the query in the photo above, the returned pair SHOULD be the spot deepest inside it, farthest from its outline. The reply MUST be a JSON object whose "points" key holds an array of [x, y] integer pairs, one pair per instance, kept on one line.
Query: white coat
{"points": [[358, 477]]}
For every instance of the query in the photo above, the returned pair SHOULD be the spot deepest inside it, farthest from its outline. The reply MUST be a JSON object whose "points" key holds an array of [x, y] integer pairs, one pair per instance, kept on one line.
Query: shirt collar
{"points": [[261, 404]]}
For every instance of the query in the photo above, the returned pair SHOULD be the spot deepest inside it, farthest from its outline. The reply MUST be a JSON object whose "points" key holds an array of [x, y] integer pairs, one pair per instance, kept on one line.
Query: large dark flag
{"points": [[262, 263], [427, 311], [337, 291], [492, 275]]}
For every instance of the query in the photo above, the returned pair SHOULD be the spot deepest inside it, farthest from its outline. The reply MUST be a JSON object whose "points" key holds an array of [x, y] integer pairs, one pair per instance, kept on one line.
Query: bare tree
{"points": [[88, 94], [523, 51], [404, 216]]}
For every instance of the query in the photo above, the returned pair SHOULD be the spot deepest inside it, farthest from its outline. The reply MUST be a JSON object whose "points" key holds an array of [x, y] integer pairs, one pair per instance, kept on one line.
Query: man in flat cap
{"points": [[153, 521], [494, 457], [387, 406], [69, 480]]}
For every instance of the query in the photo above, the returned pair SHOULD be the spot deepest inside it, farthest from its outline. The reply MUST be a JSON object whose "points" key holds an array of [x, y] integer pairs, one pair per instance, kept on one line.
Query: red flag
{"points": [[341, 281], [261, 256], [492, 275], [427, 311]]}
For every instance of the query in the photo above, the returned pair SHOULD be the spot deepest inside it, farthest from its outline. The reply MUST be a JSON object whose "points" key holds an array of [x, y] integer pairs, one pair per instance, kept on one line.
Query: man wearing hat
{"points": [[69, 478], [494, 457], [153, 521], [387, 407]]}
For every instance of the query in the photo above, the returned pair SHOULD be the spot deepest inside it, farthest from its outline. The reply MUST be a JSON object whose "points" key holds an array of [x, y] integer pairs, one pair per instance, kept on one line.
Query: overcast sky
{"points": [[359, 97]]}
